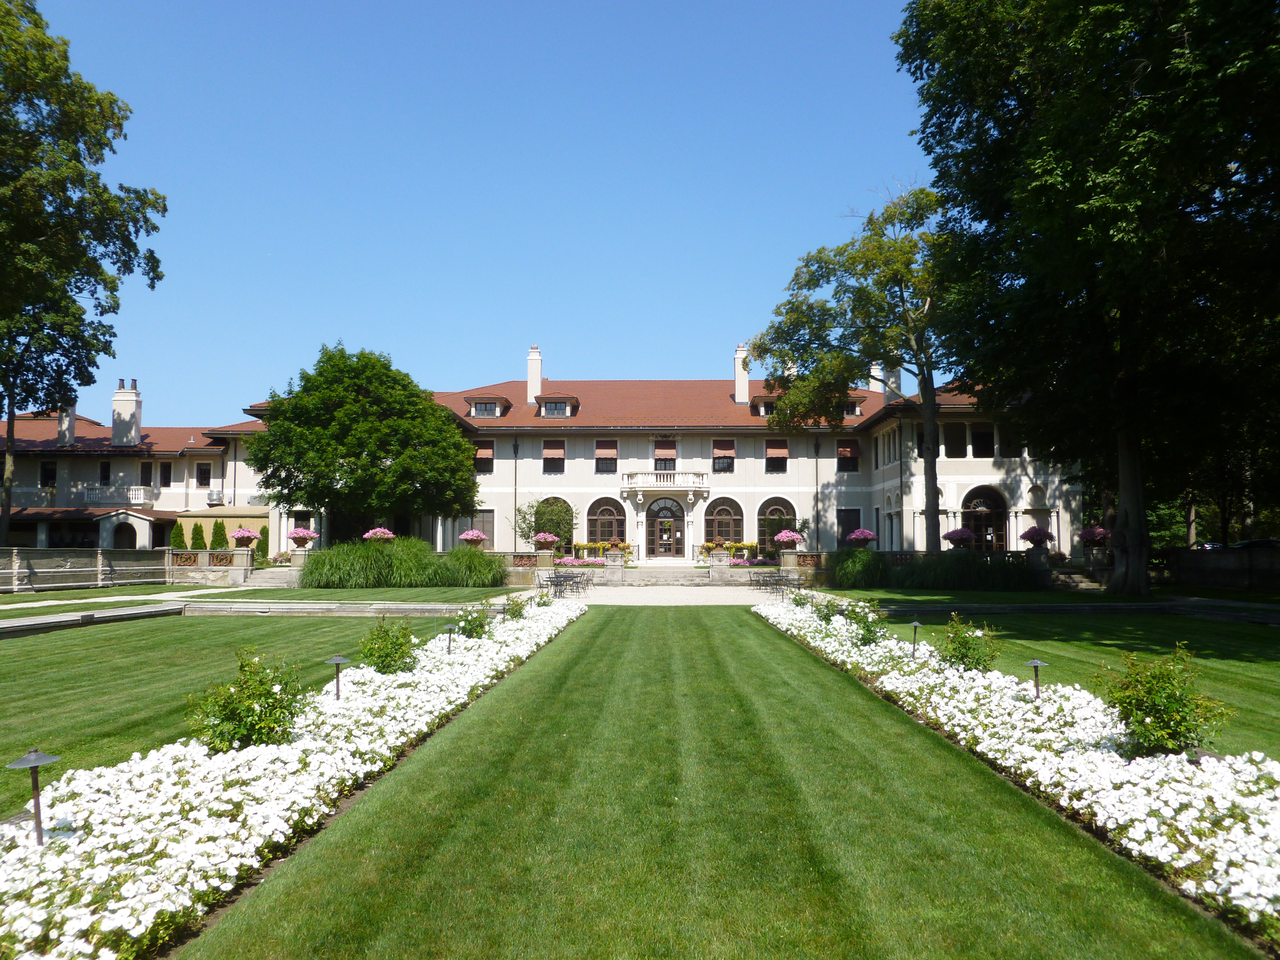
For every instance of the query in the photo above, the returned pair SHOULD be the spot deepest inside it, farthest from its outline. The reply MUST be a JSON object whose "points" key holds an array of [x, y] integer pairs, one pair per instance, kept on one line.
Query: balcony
{"points": [[103, 496], [665, 482]]}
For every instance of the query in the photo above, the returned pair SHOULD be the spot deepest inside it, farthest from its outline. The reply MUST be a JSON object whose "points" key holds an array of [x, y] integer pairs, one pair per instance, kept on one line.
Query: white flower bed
{"points": [[1213, 829], [136, 850]]}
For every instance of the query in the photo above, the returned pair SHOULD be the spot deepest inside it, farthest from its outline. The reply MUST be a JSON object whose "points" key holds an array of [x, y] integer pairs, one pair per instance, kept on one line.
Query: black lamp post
{"points": [[915, 628], [1035, 665], [33, 759], [337, 675], [450, 627]]}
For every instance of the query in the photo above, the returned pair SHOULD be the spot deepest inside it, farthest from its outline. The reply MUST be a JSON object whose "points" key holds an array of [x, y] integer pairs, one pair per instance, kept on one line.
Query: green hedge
{"points": [[861, 569], [402, 562]]}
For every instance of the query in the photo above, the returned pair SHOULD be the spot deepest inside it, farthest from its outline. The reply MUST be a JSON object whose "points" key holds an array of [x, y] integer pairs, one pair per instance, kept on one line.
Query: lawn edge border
{"points": [[1268, 947]]}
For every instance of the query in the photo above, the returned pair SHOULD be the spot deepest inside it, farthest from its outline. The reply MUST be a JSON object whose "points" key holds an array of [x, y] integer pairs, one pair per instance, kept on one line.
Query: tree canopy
{"points": [[1109, 172], [359, 439], [880, 312]]}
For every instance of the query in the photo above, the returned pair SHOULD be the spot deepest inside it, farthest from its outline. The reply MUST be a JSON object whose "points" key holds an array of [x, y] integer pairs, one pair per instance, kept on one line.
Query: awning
{"points": [[607, 449], [776, 448], [723, 448], [553, 448], [664, 449], [484, 449]]}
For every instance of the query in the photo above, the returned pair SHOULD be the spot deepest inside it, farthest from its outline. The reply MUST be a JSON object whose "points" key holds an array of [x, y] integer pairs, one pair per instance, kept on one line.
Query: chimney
{"points": [[67, 426], [873, 385], [535, 373], [894, 389], [741, 378], [126, 416]]}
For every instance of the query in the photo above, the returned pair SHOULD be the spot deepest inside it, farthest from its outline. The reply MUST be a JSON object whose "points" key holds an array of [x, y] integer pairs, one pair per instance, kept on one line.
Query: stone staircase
{"points": [[1075, 580], [667, 577], [273, 577]]}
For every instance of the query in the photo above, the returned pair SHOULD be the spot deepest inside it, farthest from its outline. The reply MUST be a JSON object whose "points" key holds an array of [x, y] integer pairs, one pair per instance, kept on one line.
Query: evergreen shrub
{"points": [[261, 547], [218, 539], [178, 538], [197, 537]]}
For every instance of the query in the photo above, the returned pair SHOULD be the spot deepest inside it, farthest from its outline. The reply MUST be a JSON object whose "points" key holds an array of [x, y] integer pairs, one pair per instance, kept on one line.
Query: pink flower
{"points": [[472, 537], [379, 533]]}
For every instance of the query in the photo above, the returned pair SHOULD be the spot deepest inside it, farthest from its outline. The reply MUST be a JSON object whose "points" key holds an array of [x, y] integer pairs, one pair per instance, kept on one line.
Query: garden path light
{"points": [[33, 758], [915, 627], [337, 675], [1036, 665]]}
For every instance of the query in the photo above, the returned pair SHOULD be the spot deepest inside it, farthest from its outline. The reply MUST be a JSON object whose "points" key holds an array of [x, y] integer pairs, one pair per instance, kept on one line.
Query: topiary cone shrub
{"points": [[197, 537], [178, 538], [218, 540]]}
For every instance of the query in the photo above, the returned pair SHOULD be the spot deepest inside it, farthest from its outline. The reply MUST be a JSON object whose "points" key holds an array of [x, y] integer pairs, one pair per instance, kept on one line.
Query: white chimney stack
{"points": [[67, 426], [741, 378], [535, 373], [126, 416], [894, 389], [874, 385]]}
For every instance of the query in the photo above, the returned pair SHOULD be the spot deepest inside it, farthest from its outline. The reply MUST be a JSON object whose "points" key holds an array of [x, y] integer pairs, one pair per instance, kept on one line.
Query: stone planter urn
{"points": [[1095, 557], [243, 542]]}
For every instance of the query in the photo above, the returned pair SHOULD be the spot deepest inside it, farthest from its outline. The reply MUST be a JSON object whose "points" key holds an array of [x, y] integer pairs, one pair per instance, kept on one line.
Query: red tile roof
{"points": [[236, 429], [37, 434], [630, 404]]}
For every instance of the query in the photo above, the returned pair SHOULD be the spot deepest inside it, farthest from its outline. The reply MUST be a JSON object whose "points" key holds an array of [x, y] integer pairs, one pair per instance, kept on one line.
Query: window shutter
{"points": [[776, 448], [722, 448], [484, 449], [664, 449], [553, 449], [607, 449]]}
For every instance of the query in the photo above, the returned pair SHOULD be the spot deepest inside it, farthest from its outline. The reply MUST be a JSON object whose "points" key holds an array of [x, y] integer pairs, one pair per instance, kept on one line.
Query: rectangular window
{"points": [[852, 409], [553, 456], [848, 455], [847, 521], [766, 409], [776, 454], [1010, 443], [145, 473], [166, 474], [204, 474], [48, 474], [484, 456], [482, 521], [875, 453], [954, 440], [606, 456], [488, 408], [723, 455], [664, 455], [983, 440], [555, 408], [104, 473]]}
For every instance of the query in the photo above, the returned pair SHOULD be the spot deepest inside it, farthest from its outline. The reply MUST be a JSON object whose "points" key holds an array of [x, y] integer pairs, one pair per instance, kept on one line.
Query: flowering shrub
{"points": [[302, 533], [861, 537], [964, 645], [379, 533], [579, 562], [472, 537], [543, 599], [516, 607], [1157, 701], [545, 541], [1212, 829], [1094, 536], [788, 536], [244, 533], [389, 649], [473, 622], [960, 535], [137, 852], [1036, 536], [259, 706], [281, 558]]}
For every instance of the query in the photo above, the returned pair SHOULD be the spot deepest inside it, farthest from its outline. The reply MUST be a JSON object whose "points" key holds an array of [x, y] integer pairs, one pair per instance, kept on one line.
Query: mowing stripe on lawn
{"points": [[689, 782]]}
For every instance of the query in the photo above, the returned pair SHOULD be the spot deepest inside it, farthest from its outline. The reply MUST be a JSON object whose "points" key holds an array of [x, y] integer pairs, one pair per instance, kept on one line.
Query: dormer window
{"points": [[555, 408], [486, 408], [853, 409], [767, 408]]}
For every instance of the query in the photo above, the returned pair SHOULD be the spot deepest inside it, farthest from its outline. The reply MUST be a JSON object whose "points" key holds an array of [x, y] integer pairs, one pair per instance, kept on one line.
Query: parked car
{"points": [[1262, 544], [1208, 545]]}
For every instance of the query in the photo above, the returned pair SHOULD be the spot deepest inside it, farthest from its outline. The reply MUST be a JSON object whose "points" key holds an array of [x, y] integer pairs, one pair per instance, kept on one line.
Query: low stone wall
{"points": [[1242, 569], [28, 569], [213, 567]]}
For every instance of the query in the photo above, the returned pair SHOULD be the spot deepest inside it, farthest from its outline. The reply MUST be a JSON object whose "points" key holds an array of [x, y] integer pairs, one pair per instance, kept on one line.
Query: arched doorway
{"points": [[985, 511], [724, 519], [774, 516], [606, 519], [124, 537], [664, 529]]}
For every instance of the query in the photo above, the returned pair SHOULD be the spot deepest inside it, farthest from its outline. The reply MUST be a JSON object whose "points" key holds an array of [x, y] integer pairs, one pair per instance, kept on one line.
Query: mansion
{"points": [[665, 465]]}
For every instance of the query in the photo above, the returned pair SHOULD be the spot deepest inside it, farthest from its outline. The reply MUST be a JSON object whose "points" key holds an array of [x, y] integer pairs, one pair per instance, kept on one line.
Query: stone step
{"points": [[272, 577]]}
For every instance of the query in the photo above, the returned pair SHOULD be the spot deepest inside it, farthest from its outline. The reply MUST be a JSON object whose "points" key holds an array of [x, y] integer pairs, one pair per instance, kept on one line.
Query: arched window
{"points": [[774, 516], [724, 519], [606, 519], [985, 511]]}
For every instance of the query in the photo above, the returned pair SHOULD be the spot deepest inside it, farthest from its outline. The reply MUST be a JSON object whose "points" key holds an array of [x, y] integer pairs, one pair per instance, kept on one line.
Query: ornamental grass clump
{"points": [[967, 646], [402, 562], [856, 568], [258, 707], [389, 648], [1158, 702]]}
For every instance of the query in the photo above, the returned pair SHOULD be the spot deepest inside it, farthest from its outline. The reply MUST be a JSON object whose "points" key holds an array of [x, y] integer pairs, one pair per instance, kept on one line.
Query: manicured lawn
{"points": [[101, 593], [888, 595], [93, 695], [687, 782], [388, 595], [1239, 662], [1218, 593], [14, 611]]}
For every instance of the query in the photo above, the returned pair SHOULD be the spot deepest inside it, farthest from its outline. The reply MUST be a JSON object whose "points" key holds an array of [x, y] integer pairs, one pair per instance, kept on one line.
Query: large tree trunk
{"points": [[929, 414], [6, 497], [1129, 540]]}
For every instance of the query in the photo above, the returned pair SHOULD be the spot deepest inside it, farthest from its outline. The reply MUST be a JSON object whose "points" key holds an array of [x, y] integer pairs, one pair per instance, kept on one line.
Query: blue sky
{"points": [[628, 186]]}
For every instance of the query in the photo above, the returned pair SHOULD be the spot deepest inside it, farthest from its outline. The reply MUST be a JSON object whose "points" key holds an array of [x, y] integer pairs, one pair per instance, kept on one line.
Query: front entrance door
{"points": [[664, 529]]}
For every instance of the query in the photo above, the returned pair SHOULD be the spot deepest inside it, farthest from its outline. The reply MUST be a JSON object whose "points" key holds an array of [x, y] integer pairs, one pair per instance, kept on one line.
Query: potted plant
{"points": [[472, 538], [1094, 540], [244, 537], [788, 539], [302, 537], [1037, 537], [545, 541], [379, 535], [959, 538], [860, 538]]}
